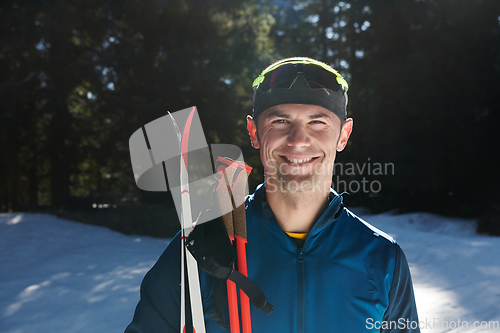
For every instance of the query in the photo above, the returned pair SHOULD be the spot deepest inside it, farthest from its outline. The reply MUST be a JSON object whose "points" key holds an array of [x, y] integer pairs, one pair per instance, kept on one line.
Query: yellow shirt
{"points": [[297, 235]]}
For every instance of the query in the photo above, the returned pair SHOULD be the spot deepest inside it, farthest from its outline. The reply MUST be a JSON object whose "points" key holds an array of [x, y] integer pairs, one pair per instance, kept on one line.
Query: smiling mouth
{"points": [[297, 160]]}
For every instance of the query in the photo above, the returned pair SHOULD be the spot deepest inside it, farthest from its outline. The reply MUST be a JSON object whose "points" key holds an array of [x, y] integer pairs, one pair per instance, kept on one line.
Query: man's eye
{"points": [[317, 122], [279, 121]]}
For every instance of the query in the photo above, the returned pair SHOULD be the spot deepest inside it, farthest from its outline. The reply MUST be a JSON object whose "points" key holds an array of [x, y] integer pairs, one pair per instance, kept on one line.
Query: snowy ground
{"points": [[60, 276]]}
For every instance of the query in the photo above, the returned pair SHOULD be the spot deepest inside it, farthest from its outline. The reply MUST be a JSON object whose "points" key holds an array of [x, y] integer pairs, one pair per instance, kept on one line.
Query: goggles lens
{"points": [[284, 75]]}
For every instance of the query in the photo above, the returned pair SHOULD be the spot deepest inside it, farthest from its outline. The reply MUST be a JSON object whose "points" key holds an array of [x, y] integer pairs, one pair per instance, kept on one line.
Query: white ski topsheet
{"points": [[61, 276]]}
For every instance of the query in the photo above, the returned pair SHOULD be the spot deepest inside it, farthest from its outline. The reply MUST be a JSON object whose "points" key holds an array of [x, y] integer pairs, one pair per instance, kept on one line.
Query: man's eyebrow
{"points": [[319, 115], [278, 114]]}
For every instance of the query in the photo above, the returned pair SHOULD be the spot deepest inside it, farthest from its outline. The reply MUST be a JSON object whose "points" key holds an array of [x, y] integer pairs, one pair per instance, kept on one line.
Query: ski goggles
{"points": [[316, 74], [300, 81]]}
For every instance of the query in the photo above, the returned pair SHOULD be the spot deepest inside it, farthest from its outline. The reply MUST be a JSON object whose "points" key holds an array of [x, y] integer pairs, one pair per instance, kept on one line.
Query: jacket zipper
{"points": [[301, 273], [302, 307]]}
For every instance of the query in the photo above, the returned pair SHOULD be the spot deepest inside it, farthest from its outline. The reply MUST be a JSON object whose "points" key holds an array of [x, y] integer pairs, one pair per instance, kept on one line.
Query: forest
{"points": [[78, 77]]}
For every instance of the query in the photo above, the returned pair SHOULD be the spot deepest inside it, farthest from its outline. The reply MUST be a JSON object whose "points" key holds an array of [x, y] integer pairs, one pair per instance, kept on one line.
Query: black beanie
{"points": [[301, 93]]}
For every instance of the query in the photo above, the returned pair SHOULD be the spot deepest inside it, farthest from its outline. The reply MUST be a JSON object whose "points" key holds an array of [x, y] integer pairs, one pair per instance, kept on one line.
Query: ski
{"points": [[214, 246], [187, 258]]}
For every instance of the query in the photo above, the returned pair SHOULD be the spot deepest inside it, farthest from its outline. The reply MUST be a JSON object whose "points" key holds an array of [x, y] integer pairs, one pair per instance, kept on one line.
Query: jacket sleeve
{"points": [[402, 310], [158, 309]]}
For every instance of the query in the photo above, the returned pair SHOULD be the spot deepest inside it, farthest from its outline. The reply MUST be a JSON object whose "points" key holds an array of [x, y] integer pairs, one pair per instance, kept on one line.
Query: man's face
{"points": [[298, 145]]}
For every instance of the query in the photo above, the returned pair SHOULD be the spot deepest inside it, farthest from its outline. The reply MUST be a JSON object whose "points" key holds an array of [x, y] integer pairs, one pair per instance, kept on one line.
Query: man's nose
{"points": [[298, 136]]}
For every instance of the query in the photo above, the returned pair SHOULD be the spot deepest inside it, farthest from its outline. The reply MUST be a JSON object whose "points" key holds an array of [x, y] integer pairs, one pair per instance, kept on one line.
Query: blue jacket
{"points": [[346, 277]]}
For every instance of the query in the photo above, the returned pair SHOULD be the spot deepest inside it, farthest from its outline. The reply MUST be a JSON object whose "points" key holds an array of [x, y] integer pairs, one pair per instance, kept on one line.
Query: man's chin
{"points": [[299, 184]]}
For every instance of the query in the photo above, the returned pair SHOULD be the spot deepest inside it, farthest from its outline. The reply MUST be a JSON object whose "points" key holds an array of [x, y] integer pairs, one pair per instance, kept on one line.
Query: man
{"points": [[323, 268]]}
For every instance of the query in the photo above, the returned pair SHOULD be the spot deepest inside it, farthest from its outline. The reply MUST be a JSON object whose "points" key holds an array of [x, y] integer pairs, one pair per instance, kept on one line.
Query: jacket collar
{"points": [[330, 215]]}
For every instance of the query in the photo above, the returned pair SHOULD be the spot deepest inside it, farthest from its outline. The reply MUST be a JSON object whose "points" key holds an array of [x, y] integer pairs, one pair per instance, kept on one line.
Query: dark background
{"points": [[79, 77]]}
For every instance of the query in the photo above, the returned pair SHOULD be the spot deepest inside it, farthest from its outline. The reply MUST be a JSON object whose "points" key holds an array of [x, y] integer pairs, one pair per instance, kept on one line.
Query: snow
{"points": [[455, 272], [62, 276]]}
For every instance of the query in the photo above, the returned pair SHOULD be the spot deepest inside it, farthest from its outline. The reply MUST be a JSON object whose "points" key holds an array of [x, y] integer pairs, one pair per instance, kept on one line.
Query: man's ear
{"points": [[252, 130], [345, 132]]}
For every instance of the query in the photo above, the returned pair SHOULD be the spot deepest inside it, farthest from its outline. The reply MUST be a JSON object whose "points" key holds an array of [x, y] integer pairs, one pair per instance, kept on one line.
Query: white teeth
{"points": [[294, 160]]}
